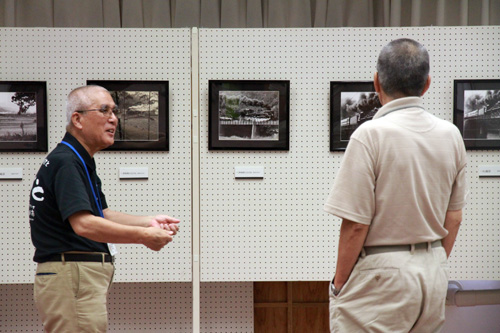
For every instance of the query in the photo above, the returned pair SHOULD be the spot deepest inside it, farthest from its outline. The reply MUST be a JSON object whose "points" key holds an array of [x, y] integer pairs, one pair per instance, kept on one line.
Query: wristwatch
{"points": [[335, 291]]}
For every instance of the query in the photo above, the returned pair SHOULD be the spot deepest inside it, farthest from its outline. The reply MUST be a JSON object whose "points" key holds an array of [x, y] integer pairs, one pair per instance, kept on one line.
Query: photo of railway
{"points": [[355, 109], [482, 114], [249, 115]]}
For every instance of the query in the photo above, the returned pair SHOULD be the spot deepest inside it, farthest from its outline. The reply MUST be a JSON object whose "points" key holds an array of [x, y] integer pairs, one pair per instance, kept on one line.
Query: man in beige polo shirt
{"points": [[400, 192]]}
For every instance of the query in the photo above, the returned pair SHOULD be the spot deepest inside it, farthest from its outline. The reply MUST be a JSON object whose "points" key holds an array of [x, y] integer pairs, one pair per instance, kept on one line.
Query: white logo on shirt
{"points": [[32, 213], [37, 190]]}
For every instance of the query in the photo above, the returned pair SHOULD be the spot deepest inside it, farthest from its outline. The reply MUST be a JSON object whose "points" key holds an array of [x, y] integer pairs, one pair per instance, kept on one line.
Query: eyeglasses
{"points": [[105, 110]]}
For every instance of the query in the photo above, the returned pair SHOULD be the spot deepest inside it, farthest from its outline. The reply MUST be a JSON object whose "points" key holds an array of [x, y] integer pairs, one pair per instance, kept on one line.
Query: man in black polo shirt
{"points": [[71, 224]]}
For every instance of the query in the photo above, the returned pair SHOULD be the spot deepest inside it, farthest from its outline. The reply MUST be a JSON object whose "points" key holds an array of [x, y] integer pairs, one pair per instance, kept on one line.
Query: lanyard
{"points": [[97, 201]]}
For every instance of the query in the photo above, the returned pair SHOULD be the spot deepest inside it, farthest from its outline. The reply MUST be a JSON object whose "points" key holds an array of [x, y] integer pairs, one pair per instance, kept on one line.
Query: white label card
{"points": [[489, 171], [249, 172], [11, 173], [134, 173]]}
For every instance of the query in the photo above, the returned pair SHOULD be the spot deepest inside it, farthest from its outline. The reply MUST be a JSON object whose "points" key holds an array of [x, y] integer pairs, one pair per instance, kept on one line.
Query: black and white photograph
{"points": [[142, 114], [18, 114], [477, 112], [137, 114], [352, 104], [355, 109], [249, 114], [482, 114], [23, 118]]}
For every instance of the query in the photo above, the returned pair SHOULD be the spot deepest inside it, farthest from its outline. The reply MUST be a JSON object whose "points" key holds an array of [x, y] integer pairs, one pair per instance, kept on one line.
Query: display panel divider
{"points": [[195, 158]]}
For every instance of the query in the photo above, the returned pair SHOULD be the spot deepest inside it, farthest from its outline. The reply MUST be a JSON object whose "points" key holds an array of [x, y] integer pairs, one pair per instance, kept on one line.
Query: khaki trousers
{"points": [[393, 292], [71, 297]]}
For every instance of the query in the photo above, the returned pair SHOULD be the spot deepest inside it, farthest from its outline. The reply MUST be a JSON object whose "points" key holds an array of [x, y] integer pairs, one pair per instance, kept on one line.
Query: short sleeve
{"points": [[352, 196], [459, 188], [71, 191]]}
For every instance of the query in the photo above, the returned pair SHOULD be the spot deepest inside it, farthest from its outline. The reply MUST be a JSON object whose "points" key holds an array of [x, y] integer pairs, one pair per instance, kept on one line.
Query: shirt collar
{"points": [[89, 161], [400, 104]]}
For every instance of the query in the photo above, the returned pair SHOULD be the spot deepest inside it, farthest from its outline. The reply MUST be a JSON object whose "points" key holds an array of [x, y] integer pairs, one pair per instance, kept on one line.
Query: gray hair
{"points": [[403, 68], [80, 99]]}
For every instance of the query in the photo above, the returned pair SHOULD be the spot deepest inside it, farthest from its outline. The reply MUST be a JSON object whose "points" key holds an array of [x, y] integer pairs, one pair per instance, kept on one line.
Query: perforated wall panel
{"points": [[226, 307], [132, 307], [275, 228], [66, 58]]}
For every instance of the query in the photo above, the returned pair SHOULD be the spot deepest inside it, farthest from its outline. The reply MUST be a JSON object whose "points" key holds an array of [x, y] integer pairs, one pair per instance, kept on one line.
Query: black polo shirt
{"points": [[61, 189]]}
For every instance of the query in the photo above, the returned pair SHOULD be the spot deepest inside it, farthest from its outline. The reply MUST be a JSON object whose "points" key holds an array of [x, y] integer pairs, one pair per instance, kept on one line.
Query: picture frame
{"points": [[476, 112], [23, 116], [143, 116], [351, 104], [249, 115]]}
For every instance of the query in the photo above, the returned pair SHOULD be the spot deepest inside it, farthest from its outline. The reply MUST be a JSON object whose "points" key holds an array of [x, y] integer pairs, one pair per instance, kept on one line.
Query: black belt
{"points": [[397, 248], [85, 257]]}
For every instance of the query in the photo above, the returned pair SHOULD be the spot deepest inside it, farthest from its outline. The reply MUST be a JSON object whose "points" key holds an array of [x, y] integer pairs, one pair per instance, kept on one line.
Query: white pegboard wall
{"points": [[476, 252], [146, 307], [66, 58], [132, 307], [227, 307], [275, 228]]}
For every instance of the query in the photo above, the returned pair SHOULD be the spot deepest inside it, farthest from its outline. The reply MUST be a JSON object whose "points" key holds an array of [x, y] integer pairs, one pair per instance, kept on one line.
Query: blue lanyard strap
{"points": [[97, 201]]}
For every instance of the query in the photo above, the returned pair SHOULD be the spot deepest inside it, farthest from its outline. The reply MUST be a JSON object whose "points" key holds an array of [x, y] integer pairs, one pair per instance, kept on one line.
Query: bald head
{"points": [[403, 68], [80, 99]]}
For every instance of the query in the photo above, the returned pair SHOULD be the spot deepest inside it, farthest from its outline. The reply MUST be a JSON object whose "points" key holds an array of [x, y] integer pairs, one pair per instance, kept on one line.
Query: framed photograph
{"points": [[351, 104], [23, 116], [249, 115], [142, 114], [476, 112]]}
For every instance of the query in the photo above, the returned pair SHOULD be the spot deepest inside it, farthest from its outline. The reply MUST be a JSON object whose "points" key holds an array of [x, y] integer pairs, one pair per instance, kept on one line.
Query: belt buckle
{"points": [[105, 256]]}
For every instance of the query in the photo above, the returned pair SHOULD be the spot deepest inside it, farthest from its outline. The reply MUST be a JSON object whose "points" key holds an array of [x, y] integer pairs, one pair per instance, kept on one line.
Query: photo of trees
{"points": [[18, 121], [137, 114]]}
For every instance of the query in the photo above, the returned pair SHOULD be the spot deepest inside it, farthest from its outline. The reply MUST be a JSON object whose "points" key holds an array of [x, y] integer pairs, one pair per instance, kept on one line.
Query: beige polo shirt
{"points": [[400, 173]]}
